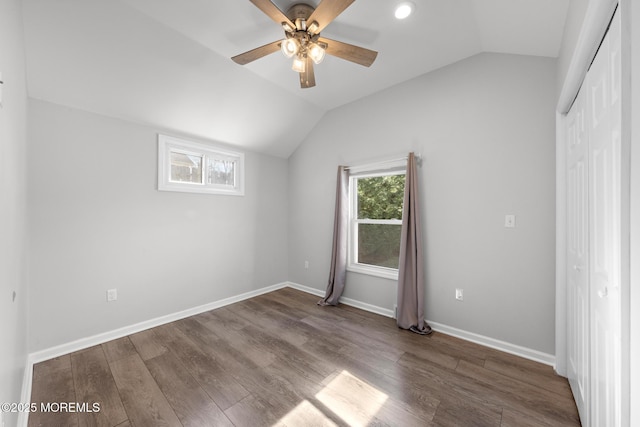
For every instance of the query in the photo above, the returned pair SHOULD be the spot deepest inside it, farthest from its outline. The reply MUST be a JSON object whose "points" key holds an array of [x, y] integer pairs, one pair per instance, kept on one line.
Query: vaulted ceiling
{"points": [[166, 63]]}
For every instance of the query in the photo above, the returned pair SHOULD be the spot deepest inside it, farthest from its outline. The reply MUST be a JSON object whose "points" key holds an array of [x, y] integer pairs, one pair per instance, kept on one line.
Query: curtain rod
{"points": [[384, 162]]}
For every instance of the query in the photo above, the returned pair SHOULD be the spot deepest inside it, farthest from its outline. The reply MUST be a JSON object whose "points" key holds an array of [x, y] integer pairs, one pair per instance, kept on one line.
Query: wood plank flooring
{"points": [[280, 360]]}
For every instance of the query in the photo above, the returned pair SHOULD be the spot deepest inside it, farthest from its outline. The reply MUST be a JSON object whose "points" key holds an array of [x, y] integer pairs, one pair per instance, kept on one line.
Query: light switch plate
{"points": [[510, 221], [1, 86]]}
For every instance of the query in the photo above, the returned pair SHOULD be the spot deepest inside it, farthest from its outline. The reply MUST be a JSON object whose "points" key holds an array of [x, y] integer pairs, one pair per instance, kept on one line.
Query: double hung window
{"points": [[376, 199]]}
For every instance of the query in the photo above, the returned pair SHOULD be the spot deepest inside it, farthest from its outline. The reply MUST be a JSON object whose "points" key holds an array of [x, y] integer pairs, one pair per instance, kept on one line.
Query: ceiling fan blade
{"points": [[272, 11], [327, 11], [308, 78], [257, 53], [349, 52]]}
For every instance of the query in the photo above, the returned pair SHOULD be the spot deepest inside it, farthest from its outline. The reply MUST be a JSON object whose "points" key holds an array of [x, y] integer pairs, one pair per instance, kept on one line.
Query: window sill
{"points": [[202, 189], [384, 272]]}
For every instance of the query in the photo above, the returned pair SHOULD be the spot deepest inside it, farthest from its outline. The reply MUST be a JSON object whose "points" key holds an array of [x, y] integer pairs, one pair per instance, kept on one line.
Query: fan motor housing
{"points": [[299, 11]]}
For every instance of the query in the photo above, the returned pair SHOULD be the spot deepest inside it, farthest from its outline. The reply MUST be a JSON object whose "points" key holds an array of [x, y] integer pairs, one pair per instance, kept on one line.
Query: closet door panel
{"points": [[577, 256], [604, 230], [593, 238]]}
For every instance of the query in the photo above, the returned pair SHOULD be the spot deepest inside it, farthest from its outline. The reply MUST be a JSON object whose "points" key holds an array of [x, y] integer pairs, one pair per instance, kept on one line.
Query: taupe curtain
{"points": [[338, 272], [411, 265]]}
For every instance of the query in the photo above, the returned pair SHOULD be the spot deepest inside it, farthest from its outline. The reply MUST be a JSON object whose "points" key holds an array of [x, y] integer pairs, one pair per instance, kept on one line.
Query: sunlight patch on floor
{"points": [[351, 399], [305, 414]]}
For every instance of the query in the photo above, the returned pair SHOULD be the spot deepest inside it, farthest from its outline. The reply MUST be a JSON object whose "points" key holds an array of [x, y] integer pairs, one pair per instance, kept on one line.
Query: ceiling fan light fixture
{"points": [[298, 64], [287, 27], [301, 24], [289, 47], [313, 27], [316, 53], [302, 44], [404, 9]]}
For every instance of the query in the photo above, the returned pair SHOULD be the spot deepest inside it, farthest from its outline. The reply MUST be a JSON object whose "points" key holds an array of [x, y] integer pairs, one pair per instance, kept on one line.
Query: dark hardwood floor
{"points": [[278, 359]]}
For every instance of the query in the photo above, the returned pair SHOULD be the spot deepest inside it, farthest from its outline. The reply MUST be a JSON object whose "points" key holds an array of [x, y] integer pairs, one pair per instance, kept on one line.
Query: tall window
{"points": [[376, 221], [198, 168]]}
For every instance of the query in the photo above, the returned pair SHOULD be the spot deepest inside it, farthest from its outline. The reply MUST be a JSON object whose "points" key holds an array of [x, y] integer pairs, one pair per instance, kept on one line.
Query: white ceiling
{"points": [[166, 63]]}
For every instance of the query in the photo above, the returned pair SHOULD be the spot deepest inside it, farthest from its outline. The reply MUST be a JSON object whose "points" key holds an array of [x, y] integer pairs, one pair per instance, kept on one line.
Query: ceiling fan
{"points": [[302, 25]]}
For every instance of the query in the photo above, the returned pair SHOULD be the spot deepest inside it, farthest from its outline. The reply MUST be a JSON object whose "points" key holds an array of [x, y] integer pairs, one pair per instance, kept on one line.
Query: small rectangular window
{"points": [[198, 168], [376, 202]]}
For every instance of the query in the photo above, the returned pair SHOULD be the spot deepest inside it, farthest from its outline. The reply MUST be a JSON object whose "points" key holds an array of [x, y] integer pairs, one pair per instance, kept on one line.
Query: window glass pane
{"points": [[222, 172], [380, 197], [186, 168], [379, 244]]}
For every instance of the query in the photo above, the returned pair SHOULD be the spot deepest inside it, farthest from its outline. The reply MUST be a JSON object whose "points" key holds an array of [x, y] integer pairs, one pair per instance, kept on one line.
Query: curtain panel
{"points": [[338, 271], [411, 271]]}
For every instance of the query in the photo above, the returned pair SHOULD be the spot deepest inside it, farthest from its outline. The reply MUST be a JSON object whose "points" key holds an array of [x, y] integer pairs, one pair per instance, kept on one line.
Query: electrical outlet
{"points": [[510, 221], [459, 295], [112, 295], [306, 264]]}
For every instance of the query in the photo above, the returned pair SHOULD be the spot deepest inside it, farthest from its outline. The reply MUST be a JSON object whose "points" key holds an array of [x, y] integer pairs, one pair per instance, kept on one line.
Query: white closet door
{"points": [[578, 256], [603, 85], [593, 239]]}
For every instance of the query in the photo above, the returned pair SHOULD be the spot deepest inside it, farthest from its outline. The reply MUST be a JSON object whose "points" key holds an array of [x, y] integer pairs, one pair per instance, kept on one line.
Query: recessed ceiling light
{"points": [[404, 9]]}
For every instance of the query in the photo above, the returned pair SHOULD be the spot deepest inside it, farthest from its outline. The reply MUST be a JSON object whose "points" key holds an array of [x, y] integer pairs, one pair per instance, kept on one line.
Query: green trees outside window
{"points": [[379, 219]]}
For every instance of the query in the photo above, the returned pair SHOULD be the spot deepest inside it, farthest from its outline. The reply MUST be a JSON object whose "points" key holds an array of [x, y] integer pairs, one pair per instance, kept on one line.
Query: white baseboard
{"points": [[368, 307], [59, 350], [527, 353], [87, 342], [346, 301], [306, 289]]}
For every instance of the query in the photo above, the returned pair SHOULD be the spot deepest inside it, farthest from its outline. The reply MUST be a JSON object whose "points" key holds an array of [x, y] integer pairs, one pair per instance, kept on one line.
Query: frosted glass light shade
{"points": [[289, 47], [298, 65], [316, 53]]}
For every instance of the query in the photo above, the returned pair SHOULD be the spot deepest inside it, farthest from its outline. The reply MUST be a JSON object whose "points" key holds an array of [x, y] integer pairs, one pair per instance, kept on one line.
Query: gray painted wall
{"points": [[485, 127], [97, 222], [13, 210]]}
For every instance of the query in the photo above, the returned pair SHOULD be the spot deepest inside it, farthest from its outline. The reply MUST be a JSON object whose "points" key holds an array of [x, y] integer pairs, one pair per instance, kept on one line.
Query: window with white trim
{"points": [[195, 167], [375, 220]]}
